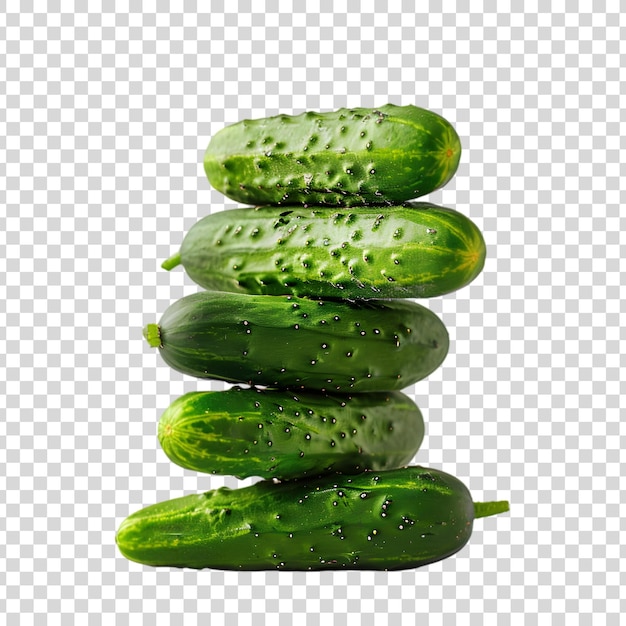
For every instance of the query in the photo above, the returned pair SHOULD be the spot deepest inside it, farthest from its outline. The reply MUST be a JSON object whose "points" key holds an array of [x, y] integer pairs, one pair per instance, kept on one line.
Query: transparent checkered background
{"points": [[104, 117]]}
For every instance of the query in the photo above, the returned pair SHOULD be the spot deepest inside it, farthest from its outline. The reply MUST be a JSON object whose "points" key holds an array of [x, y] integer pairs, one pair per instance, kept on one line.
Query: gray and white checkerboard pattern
{"points": [[104, 117]]}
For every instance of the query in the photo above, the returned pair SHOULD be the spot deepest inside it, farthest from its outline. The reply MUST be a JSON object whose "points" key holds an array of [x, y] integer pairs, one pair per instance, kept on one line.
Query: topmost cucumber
{"points": [[347, 157]]}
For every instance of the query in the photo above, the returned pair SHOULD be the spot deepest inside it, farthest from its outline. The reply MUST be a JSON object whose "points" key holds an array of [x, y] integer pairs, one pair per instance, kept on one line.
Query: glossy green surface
{"points": [[278, 434], [396, 519], [346, 157], [298, 343], [414, 251]]}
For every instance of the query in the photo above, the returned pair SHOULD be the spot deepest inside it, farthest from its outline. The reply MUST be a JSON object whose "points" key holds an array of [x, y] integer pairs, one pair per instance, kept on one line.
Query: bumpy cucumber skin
{"points": [[276, 434], [299, 343], [391, 520], [346, 157], [418, 250]]}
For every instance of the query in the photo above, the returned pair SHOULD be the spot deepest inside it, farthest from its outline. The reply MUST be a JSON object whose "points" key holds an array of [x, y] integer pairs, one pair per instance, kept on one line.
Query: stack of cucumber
{"points": [[307, 309]]}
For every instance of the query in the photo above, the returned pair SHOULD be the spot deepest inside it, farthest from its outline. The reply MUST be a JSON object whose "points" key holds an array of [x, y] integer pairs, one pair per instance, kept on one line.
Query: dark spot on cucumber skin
{"points": [[377, 222]]}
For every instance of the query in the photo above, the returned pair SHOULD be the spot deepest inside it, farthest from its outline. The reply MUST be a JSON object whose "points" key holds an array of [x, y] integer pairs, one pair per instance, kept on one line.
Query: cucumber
{"points": [[276, 434], [346, 157], [388, 520], [299, 343], [418, 250]]}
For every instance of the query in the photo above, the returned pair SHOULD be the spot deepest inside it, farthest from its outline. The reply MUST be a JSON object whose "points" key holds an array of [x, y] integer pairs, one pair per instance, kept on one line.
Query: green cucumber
{"points": [[276, 434], [299, 343], [346, 157], [418, 250], [389, 520]]}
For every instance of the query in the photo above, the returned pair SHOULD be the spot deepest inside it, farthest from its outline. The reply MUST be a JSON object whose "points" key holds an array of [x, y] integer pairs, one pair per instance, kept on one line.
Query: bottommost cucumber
{"points": [[388, 520]]}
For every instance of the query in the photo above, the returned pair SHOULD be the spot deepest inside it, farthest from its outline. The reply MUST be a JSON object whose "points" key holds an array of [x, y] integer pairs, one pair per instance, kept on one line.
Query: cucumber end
{"points": [[152, 333], [172, 262], [485, 509]]}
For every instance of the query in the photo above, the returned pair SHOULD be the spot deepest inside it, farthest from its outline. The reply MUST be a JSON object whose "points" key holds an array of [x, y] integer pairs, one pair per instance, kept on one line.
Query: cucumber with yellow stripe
{"points": [[389, 520], [347, 157], [417, 250], [247, 432]]}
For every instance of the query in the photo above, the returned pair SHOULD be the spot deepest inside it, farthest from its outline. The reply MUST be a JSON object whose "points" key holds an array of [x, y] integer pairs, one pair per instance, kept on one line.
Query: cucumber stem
{"points": [[152, 333], [485, 509], [172, 262]]}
